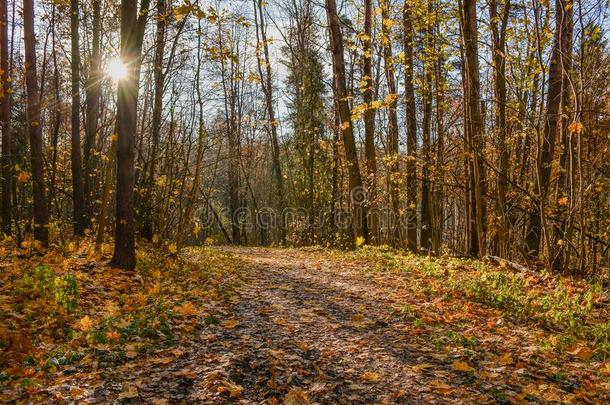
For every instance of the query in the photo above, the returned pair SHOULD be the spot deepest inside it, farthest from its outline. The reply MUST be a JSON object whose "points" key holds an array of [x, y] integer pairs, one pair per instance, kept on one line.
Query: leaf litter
{"points": [[294, 326]]}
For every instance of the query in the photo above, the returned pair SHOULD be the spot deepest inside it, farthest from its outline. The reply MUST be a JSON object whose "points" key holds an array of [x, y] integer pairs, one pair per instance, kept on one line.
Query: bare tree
{"points": [[359, 217], [79, 216], [5, 117], [41, 213]]}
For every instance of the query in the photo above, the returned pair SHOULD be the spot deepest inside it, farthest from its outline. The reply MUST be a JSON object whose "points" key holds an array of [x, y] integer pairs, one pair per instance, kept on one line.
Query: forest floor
{"points": [[299, 326]]}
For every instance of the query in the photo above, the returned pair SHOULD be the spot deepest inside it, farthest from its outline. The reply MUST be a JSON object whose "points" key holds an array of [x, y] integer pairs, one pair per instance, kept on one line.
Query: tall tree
{"points": [[5, 118], [127, 102], [499, 24], [230, 90], [357, 194], [393, 157], [159, 86], [427, 202], [79, 216], [267, 87], [92, 102], [474, 118], [568, 137], [41, 212], [411, 126], [552, 125], [369, 113]]}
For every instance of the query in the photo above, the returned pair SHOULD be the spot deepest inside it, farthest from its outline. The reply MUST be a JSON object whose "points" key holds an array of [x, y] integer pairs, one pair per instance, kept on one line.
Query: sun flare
{"points": [[116, 69]]}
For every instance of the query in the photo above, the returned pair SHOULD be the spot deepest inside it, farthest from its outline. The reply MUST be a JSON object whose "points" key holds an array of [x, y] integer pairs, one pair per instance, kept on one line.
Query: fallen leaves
{"points": [[370, 376], [377, 335], [85, 323], [187, 309], [439, 386], [583, 353], [461, 366], [129, 391], [296, 396], [218, 382], [420, 367], [605, 369], [230, 323], [505, 359]]}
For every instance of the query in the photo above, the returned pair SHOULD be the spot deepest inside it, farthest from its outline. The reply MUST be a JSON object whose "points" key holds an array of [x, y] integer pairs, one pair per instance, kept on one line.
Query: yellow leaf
{"points": [[605, 369], [370, 376], [230, 323], [233, 390], [186, 309], [360, 241], [376, 104], [440, 386], [421, 366], [113, 336], [505, 359], [583, 353], [161, 181], [85, 323], [461, 366], [23, 177], [388, 23], [296, 396], [345, 125], [575, 128], [173, 249]]}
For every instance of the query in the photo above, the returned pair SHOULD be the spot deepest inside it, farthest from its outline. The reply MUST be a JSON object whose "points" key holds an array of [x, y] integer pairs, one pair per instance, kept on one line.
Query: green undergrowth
{"points": [[63, 308], [574, 309]]}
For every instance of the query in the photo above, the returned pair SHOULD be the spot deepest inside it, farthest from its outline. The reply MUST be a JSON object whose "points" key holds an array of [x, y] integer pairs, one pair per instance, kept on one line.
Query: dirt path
{"points": [[305, 327]]}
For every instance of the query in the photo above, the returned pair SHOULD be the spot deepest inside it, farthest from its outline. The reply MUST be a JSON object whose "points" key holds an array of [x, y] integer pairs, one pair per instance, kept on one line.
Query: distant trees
{"points": [[306, 90], [438, 127]]}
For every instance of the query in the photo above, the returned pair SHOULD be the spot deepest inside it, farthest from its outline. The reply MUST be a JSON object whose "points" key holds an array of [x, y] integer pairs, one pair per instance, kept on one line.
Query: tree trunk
{"points": [[41, 212], [475, 120], [426, 190], [567, 162], [267, 87], [499, 67], [92, 112], [369, 117], [159, 84], [551, 130], [79, 217], [127, 101], [357, 193], [393, 157], [107, 189], [5, 117], [233, 166], [411, 125]]}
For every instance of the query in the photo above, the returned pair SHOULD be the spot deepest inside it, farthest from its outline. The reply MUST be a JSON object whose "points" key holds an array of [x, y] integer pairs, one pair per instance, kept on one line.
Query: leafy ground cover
{"points": [[298, 326], [66, 316]]}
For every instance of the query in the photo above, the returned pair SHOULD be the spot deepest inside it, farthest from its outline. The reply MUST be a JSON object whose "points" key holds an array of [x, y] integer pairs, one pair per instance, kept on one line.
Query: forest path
{"points": [[307, 327]]}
